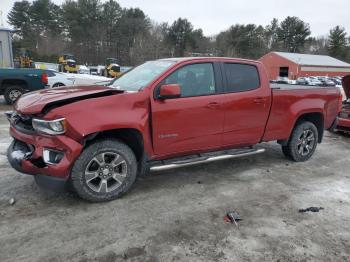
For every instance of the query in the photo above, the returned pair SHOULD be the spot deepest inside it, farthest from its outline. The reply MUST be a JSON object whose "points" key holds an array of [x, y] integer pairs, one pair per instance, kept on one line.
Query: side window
{"points": [[241, 77], [194, 80]]}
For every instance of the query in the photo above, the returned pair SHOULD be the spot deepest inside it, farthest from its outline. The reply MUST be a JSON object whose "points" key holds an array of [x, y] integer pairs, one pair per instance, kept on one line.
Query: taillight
{"points": [[44, 78]]}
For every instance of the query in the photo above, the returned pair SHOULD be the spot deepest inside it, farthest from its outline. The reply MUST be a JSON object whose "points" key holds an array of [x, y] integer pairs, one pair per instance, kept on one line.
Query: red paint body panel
{"points": [[172, 127], [34, 102], [187, 124], [289, 105], [246, 113]]}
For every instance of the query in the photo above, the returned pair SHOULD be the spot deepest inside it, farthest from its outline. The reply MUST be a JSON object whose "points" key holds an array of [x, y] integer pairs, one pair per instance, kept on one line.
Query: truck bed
{"points": [[291, 101]]}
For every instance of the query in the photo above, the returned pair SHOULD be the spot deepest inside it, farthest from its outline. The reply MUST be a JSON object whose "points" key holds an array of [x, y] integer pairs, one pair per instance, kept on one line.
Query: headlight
{"points": [[51, 127]]}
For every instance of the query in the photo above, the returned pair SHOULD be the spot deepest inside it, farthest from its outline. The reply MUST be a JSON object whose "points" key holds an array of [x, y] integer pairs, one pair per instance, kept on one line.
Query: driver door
{"points": [[194, 121]]}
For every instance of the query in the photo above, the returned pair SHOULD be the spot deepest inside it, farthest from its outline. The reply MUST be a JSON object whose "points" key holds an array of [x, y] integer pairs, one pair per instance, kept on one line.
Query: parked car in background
{"points": [[302, 81], [87, 79], [336, 80], [162, 114], [328, 82], [282, 80], [56, 79], [15, 82], [315, 82]]}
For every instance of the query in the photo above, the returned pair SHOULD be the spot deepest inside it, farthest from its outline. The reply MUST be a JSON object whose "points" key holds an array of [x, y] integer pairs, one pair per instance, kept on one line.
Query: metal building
{"points": [[6, 55], [293, 65]]}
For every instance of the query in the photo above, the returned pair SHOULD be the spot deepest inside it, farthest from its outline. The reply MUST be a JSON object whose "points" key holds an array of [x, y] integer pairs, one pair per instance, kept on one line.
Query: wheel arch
{"points": [[130, 136], [317, 118]]}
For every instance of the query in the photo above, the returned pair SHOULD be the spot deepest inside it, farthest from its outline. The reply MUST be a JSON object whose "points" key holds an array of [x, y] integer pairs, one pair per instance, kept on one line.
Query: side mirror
{"points": [[169, 91]]}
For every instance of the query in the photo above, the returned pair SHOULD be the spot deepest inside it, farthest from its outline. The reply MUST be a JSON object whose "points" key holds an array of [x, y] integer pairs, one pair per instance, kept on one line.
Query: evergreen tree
{"points": [[337, 43], [293, 33]]}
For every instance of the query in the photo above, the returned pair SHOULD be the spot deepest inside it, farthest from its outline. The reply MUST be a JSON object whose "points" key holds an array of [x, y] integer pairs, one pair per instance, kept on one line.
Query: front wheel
{"points": [[105, 170], [302, 143]]}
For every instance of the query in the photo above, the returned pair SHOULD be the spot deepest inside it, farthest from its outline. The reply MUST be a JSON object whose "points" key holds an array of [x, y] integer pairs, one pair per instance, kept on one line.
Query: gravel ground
{"points": [[178, 215]]}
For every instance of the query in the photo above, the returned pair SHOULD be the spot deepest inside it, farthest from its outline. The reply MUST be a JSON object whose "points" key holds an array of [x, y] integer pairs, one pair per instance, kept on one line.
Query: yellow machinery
{"points": [[112, 68], [67, 63], [23, 60]]}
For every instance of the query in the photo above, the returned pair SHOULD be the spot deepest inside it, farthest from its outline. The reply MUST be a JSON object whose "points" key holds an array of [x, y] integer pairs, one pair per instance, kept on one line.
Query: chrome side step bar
{"points": [[203, 159]]}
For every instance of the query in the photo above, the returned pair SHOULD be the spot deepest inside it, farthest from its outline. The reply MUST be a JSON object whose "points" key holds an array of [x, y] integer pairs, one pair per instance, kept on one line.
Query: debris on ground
{"points": [[12, 201], [233, 217], [311, 209]]}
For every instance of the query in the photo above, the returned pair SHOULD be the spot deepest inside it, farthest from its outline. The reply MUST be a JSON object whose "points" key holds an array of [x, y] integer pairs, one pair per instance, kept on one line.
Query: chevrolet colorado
{"points": [[15, 82], [162, 114]]}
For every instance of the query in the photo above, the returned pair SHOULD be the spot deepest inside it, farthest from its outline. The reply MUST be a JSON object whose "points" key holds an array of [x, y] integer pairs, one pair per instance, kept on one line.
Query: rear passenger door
{"points": [[246, 104]]}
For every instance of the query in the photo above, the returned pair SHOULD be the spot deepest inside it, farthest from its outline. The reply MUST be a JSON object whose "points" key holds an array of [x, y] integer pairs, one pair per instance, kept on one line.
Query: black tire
{"points": [[12, 93], [58, 84], [92, 191], [302, 143]]}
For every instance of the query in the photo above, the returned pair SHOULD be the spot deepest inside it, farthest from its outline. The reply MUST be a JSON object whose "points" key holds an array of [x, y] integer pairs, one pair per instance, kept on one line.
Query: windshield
{"points": [[141, 76]]}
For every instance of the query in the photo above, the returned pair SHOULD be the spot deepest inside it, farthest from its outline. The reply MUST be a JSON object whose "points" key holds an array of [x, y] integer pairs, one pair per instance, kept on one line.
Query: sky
{"points": [[216, 16]]}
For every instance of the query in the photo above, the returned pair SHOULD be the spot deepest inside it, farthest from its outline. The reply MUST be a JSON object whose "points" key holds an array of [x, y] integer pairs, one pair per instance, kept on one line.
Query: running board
{"points": [[204, 158]]}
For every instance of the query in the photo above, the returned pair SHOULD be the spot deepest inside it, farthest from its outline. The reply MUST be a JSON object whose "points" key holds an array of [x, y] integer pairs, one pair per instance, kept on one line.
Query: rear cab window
{"points": [[241, 77]]}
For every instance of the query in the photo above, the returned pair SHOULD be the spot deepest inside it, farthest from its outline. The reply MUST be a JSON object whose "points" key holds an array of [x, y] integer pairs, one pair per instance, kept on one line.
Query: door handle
{"points": [[213, 105], [259, 100]]}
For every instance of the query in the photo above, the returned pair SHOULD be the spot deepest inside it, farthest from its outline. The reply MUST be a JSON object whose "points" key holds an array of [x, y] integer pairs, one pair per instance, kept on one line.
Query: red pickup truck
{"points": [[162, 114]]}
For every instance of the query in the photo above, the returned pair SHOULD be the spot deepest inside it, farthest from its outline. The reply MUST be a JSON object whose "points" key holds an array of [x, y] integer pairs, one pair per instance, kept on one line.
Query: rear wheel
{"points": [[12, 93], [104, 171], [303, 142]]}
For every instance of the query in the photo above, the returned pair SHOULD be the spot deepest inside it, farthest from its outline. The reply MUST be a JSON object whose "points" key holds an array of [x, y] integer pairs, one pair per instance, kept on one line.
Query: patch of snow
{"points": [[19, 155]]}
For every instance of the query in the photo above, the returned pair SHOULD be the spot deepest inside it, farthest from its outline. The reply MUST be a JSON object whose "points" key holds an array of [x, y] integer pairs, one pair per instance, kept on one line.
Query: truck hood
{"points": [[346, 86], [46, 99]]}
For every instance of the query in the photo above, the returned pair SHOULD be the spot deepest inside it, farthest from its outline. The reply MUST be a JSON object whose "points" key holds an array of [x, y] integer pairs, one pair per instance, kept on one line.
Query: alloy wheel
{"points": [[105, 172], [306, 142]]}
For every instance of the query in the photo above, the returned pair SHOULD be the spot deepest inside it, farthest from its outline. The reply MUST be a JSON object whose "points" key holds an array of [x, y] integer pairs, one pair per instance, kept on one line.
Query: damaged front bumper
{"points": [[48, 158]]}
